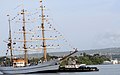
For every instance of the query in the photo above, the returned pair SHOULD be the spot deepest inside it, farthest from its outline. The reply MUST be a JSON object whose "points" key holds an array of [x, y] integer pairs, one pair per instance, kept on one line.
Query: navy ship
{"points": [[20, 65]]}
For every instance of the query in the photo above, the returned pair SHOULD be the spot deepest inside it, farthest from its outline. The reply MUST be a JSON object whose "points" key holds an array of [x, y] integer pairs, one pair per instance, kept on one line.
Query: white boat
{"points": [[75, 66], [42, 67], [22, 66]]}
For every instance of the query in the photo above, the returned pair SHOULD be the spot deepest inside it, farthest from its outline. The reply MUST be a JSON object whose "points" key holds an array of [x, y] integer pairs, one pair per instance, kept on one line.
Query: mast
{"points": [[24, 37], [43, 33], [10, 42]]}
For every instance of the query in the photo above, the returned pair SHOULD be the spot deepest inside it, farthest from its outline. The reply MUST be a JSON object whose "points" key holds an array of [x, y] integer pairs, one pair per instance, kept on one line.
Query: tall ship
{"points": [[30, 41]]}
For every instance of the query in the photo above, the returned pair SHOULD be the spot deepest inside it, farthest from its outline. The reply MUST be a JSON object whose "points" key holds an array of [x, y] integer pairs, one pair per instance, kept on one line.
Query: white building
{"points": [[18, 62], [115, 61]]}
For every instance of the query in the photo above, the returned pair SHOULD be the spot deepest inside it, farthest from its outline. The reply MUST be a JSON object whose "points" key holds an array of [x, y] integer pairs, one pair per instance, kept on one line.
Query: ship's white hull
{"points": [[42, 67]]}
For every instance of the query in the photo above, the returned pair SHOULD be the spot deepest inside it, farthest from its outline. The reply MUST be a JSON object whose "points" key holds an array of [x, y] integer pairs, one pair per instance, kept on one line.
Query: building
{"points": [[18, 62], [115, 61]]}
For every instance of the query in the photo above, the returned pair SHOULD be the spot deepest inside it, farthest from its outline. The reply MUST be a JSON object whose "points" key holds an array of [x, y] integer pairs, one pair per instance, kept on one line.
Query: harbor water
{"points": [[103, 70]]}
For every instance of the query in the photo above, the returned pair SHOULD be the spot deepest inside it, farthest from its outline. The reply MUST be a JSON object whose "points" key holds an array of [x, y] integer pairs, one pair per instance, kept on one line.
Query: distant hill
{"points": [[105, 51]]}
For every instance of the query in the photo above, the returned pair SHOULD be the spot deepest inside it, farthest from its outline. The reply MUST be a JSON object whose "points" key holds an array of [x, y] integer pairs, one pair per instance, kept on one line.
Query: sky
{"points": [[86, 24]]}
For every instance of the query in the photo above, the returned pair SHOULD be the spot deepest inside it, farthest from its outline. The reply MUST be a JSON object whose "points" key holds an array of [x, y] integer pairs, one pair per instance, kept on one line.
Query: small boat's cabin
{"points": [[18, 62]]}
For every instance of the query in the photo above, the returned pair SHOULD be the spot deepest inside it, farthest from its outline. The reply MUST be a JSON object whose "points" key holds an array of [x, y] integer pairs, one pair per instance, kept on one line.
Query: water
{"points": [[103, 70]]}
